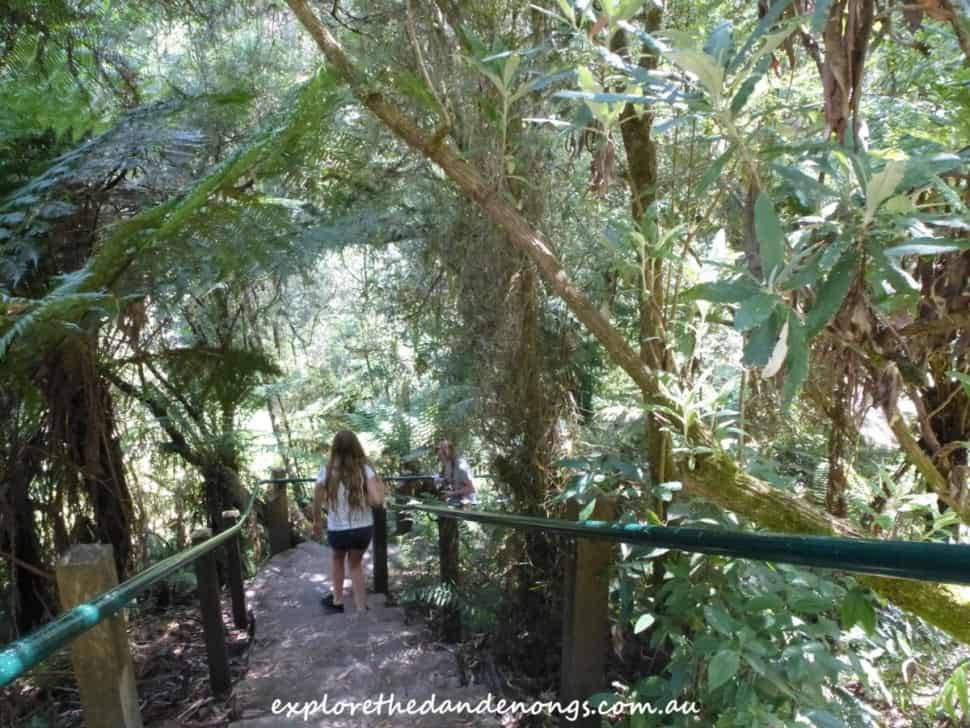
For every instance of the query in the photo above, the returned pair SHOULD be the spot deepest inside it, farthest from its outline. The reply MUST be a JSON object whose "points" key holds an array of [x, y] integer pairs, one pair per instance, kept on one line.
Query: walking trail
{"points": [[300, 654]]}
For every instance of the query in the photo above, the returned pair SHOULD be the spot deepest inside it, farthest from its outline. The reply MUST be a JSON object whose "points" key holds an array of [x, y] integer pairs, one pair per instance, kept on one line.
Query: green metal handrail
{"points": [[20, 656], [934, 562], [902, 559]]}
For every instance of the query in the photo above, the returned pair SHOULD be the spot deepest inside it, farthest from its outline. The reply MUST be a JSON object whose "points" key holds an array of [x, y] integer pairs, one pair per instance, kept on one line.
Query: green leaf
{"points": [[770, 236], [764, 25], [713, 172], [824, 719], [625, 10], [720, 620], [707, 69], [881, 187], [960, 677], [509, 69], [831, 294], [731, 291], [928, 246], [808, 189], [754, 311], [747, 88], [587, 510], [807, 603], [567, 11], [779, 353], [720, 43], [722, 668], [643, 623], [820, 15], [761, 342], [796, 361]]}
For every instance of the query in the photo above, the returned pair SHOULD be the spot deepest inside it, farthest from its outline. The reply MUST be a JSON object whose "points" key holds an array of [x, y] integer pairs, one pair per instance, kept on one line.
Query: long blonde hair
{"points": [[347, 462]]}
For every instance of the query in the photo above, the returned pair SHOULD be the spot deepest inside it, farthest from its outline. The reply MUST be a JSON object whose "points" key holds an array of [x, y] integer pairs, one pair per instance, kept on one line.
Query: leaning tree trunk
{"points": [[716, 477]]}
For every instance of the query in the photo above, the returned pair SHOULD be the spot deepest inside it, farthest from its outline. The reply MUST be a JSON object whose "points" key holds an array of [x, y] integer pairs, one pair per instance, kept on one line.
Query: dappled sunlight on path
{"points": [[302, 654]]}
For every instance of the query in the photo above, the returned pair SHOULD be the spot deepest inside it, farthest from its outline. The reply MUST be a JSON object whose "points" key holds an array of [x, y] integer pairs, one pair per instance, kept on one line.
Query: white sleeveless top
{"points": [[342, 518]]}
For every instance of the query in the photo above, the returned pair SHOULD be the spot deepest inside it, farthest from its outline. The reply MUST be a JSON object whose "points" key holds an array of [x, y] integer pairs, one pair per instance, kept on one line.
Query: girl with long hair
{"points": [[349, 487]]}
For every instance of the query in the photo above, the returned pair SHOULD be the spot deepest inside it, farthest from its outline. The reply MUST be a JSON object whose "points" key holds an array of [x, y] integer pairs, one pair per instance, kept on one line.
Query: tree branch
{"points": [[520, 232]]}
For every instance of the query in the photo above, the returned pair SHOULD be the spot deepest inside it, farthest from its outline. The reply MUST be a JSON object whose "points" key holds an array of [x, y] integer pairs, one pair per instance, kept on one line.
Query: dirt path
{"points": [[302, 654]]}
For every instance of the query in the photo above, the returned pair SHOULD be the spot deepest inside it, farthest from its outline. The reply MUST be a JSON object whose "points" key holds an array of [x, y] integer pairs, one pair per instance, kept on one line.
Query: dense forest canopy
{"points": [[708, 258]]}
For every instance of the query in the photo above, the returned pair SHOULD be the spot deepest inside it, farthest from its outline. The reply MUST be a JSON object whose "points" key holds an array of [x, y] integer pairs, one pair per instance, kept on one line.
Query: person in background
{"points": [[455, 475], [349, 488]]}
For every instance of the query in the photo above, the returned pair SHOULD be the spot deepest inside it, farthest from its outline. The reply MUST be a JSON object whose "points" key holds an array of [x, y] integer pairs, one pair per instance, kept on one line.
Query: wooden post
{"points": [[211, 606], [278, 515], [586, 628], [101, 656], [448, 557], [234, 572], [380, 550]]}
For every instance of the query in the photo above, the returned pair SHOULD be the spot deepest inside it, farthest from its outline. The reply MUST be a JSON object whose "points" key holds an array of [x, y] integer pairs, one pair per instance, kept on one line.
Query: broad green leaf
{"points": [[803, 185], [596, 100], [747, 88], [771, 239], [707, 70], [758, 349], [720, 43], [778, 354], [774, 40], [713, 172], [733, 291], [720, 620], [797, 361], [824, 719], [567, 10], [722, 668], [810, 604], [899, 205], [769, 673], [643, 623], [764, 25], [511, 66], [881, 187], [625, 10], [852, 608], [829, 298], [587, 511], [961, 678], [754, 311], [928, 246]]}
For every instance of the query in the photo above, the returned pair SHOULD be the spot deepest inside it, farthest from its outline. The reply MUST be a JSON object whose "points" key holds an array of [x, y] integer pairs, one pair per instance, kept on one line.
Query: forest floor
{"points": [[296, 652], [169, 658]]}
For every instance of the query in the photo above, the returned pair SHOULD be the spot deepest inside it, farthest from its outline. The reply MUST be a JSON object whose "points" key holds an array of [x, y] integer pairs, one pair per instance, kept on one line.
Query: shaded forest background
{"points": [[710, 259]]}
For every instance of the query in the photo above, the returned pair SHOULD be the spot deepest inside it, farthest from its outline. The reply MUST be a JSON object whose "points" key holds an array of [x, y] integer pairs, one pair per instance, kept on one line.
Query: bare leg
{"points": [[337, 576], [357, 579]]}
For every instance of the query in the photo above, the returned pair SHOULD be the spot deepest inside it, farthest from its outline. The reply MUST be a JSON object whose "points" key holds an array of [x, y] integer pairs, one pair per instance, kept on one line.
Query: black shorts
{"points": [[351, 539]]}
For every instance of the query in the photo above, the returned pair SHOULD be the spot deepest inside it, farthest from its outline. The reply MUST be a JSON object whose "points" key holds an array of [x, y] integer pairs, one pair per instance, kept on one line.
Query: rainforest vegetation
{"points": [[707, 258]]}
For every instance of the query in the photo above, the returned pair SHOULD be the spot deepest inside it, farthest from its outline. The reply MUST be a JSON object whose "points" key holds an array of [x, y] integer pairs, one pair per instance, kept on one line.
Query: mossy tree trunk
{"points": [[715, 477]]}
